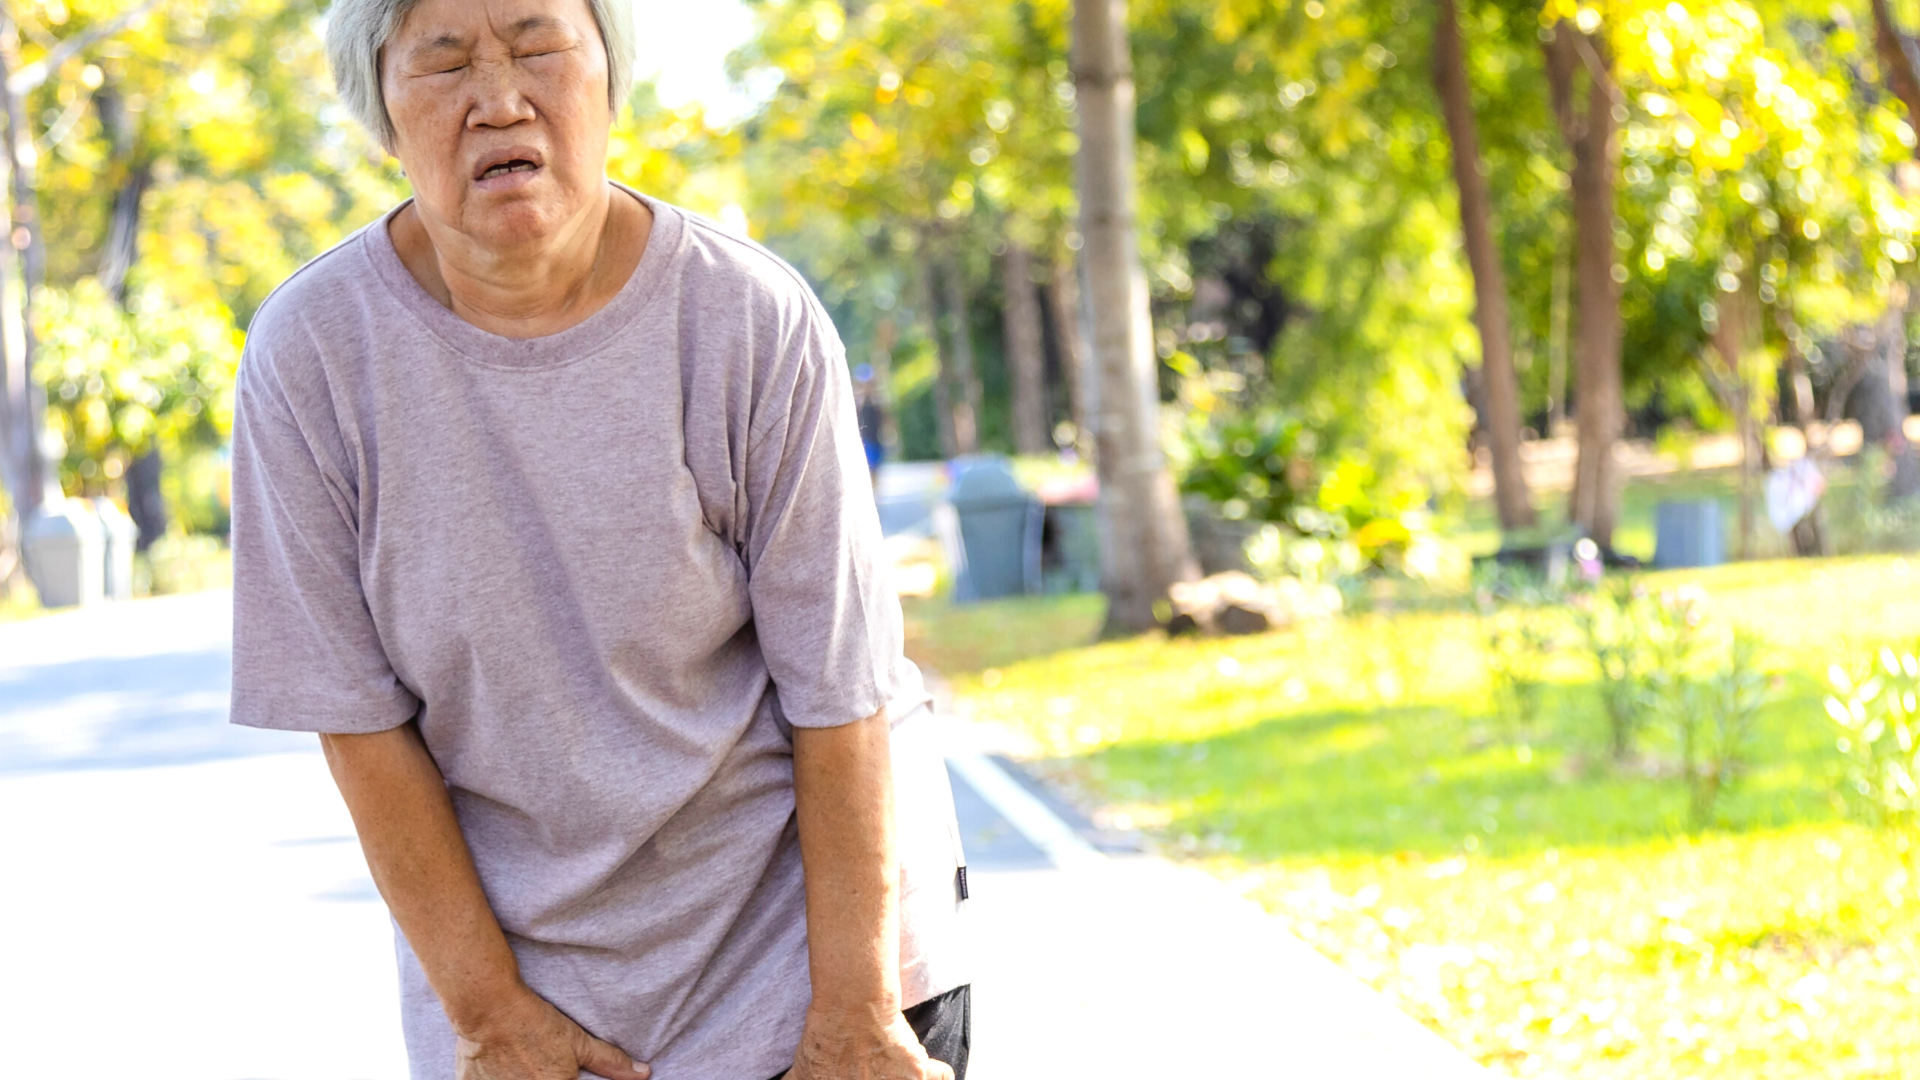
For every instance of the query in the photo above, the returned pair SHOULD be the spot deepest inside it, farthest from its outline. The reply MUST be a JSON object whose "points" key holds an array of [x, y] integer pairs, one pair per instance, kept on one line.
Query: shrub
{"points": [[1878, 711], [1615, 621], [1523, 619], [122, 382], [1263, 464], [1706, 699], [1716, 733]]}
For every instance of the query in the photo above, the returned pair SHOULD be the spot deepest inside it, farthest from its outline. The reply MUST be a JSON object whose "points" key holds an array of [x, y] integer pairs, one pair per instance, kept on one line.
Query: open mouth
{"points": [[517, 165], [508, 161]]}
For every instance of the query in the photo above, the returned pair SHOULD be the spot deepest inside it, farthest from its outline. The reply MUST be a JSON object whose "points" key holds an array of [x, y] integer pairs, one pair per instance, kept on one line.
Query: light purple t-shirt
{"points": [[607, 572]]}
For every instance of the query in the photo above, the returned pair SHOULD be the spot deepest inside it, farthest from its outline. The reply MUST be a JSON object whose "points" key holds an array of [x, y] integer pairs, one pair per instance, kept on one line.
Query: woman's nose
{"points": [[498, 98]]}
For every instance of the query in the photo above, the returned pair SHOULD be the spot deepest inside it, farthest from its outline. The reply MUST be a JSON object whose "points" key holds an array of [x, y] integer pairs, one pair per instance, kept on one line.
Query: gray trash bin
{"points": [[66, 554], [1000, 524], [1688, 534], [121, 536]]}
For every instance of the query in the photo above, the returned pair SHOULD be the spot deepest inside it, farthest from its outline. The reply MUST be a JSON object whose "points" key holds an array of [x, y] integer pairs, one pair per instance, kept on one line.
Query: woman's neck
{"points": [[534, 290]]}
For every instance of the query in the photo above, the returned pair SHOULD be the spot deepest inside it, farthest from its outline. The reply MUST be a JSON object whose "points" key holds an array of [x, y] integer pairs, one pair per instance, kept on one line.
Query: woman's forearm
{"points": [[843, 789], [424, 870]]}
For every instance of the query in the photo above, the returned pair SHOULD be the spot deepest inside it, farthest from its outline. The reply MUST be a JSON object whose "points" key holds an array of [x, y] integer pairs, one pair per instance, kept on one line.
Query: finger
{"points": [[610, 1062], [938, 1070]]}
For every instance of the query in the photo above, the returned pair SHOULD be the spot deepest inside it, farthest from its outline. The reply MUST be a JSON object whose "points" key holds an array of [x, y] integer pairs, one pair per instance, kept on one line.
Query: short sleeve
{"points": [[306, 653], [827, 619]]}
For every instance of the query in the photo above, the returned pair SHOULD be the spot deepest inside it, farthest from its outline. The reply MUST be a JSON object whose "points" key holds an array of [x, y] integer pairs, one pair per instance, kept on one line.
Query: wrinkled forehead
{"points": [[460, 25]]}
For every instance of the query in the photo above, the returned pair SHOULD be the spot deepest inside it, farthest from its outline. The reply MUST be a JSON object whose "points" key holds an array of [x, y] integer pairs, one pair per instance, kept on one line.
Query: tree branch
{"points": [[1560, 68], [31, 76], [1897, 56], [1597, 68]]}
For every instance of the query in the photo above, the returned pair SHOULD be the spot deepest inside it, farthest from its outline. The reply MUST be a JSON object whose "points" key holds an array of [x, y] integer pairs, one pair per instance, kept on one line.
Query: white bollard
{"points": [[121, 535], [66, 558]]}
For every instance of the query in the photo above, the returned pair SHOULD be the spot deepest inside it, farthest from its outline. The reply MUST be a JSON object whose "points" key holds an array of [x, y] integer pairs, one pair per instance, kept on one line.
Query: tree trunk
{"points": [[930, 304], [1063, 296], [122, 248], [1796, 380], [1902, 61], [123, 234], [1737, 340], [34, 479], [145, 501], [1599, 406], [1557, 326], [963, 392], [886, 336], [1879, 400], [1499, 383], [1026, 351], [1146, 545], [1897, 57]]}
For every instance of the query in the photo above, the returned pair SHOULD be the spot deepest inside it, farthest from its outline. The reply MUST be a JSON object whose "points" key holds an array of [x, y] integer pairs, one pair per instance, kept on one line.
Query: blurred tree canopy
{"points": [[186, 165], [211, 125], [1298, 212], [124, 379]]}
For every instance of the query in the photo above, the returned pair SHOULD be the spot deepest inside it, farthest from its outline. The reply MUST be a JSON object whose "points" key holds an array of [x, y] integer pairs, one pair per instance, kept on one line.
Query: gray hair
{"points": [[357, 31]]}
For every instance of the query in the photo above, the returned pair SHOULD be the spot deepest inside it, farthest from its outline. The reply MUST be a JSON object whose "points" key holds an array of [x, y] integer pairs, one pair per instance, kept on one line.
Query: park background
{"points": [[1427, 283]]}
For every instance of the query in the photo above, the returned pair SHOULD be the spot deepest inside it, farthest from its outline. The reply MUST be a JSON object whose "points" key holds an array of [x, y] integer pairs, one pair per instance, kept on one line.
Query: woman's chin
{"points": [[515, 222]]}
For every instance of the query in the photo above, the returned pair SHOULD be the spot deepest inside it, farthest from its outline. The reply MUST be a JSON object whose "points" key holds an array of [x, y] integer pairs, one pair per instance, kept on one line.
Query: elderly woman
{"points": [[551, 517]]}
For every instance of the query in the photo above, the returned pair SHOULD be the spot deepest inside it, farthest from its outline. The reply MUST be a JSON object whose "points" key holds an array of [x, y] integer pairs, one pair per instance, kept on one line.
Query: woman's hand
{"points": [[862, 1047], [529, 1039]]}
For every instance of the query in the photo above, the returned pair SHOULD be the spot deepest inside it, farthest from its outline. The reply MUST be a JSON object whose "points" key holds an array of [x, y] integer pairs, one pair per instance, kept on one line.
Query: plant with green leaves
{"points": [[1521, 640], [1259, 463], [1524, 619], [1615, 623], [122, 382], [1717, 734], [1706, 697], [1673, 648], [1878, 711], [1254, 464]]}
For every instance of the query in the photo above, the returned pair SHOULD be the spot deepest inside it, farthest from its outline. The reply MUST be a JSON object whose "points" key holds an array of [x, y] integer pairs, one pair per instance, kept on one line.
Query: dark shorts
{"points": [[945, 1028]]}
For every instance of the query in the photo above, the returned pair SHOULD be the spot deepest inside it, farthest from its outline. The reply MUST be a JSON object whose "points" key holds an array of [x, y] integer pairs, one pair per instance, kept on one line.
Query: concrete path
{"points": [[1094, 965], [185, 901]]}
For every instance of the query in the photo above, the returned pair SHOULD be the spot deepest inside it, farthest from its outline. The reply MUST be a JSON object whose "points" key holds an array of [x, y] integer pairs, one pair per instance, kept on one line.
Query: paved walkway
{"points": [[185, 900]]}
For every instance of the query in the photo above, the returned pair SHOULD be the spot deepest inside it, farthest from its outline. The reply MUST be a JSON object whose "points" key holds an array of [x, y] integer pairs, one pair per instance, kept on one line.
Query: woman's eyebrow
{"points": [[535, 23], [446, 42]]}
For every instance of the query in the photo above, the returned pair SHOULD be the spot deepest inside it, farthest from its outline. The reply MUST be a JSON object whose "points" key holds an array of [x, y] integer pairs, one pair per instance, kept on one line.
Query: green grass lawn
{"points": [[963, 640], [1549, 911], [1854, 527], [1478, 530]]}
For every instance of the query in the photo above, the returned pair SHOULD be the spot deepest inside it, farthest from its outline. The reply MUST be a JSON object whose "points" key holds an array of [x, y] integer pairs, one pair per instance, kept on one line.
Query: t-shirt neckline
{"points": [[577, 342]]}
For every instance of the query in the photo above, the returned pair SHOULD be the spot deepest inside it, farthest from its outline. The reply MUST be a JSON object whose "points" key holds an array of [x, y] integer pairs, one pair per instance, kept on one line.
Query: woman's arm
{"points": [[843, 790], [424, 870]]}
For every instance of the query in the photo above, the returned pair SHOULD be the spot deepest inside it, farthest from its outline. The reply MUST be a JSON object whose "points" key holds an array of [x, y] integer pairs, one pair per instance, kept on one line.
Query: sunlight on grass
{"points": [[1542, 905], [961, 639], [19, 603]]}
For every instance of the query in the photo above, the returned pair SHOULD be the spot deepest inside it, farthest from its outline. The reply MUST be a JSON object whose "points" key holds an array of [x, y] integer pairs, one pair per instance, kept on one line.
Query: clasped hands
{"points": [[528, 1039]]}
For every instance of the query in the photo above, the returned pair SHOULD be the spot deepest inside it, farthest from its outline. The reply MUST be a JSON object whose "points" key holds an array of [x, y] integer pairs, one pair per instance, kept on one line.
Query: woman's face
{"points": [[500, 114]]}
